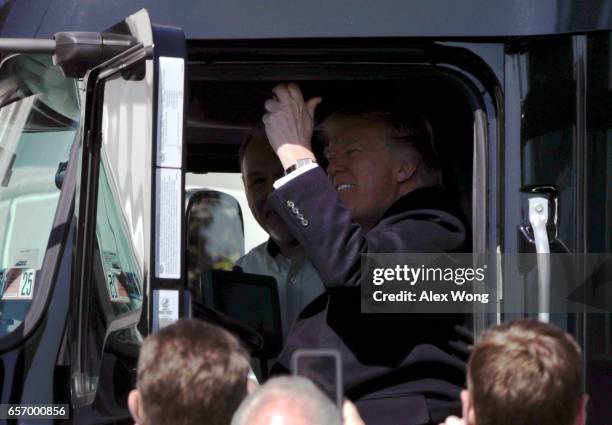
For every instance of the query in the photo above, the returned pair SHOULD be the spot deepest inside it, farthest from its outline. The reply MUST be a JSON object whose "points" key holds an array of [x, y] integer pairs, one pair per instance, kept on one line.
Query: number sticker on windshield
{"points": [[115, 282], [18, 284]]}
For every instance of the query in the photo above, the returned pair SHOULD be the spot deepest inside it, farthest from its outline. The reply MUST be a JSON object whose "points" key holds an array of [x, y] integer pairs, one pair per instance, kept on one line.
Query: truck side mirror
{"points": [[215, 235]]}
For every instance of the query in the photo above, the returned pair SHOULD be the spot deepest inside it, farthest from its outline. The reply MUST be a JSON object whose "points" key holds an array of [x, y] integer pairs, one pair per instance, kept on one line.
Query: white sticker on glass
{"points": [[170, 112], [168, 307], [26, 259], [18, 284], [117, 287], [110, 260], [168, 214]]}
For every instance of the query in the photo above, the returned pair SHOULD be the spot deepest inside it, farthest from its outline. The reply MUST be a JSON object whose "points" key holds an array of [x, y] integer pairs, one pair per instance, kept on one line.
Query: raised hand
{"points": [[289, 123]]}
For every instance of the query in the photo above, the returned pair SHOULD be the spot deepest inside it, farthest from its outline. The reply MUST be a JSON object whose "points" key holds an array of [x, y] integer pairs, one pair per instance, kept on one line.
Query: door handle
{"points": [[538, 217], [540, 220]]}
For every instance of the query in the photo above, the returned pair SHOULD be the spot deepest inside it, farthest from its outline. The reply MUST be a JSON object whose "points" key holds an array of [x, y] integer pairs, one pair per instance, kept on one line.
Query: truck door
{"points": [[129, 213], [564, 152], [110, 266]]}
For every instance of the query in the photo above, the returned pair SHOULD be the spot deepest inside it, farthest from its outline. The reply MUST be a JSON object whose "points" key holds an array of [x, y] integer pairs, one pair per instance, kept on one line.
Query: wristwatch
{"points": [[299, 164]]}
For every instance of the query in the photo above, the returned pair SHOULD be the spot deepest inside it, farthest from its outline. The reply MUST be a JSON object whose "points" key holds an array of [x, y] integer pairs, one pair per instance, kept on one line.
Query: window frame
{"points": [[472, 75]]}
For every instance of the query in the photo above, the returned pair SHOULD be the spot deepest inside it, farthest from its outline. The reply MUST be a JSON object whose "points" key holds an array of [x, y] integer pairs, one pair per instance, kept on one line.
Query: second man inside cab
{"points": [[281, 256]]}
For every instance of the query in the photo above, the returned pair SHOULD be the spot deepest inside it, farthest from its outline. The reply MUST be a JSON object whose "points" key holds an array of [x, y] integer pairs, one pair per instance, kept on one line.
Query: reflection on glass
{"points": [[123, 276], [39, 114], [215, 234], [118, 275]]}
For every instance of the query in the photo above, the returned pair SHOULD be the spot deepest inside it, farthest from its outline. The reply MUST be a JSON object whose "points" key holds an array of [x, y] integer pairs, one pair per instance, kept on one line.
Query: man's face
{"points": [[260, 169], [362, 168]]}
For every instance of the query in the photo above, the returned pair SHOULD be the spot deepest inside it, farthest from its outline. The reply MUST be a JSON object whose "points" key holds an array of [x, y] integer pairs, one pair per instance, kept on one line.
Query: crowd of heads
{"points": [[191, 372]]}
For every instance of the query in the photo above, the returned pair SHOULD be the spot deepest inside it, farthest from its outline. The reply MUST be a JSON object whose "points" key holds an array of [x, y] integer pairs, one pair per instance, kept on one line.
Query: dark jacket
{"points": [[399, 369]]}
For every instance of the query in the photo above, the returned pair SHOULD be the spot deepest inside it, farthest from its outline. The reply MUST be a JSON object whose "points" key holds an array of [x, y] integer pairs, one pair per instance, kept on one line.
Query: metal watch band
{"points": [[300, 163]]}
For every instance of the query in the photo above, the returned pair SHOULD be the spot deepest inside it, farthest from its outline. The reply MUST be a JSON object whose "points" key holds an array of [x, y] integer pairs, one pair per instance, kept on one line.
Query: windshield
{"points": [[39, 114]]}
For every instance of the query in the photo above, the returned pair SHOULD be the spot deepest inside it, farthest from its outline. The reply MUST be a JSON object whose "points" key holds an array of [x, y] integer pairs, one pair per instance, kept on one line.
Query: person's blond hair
{"points": [[191, 372], [408, 133], [526, 372]]}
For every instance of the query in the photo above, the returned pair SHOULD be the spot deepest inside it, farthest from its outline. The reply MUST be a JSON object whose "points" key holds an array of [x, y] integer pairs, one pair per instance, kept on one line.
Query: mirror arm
{"points": [[26, 45], [73, 52]]}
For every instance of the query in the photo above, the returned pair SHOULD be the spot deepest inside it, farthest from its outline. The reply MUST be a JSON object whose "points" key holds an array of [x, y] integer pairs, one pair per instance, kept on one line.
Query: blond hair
{"points": [[191, 372], [526, 372]]}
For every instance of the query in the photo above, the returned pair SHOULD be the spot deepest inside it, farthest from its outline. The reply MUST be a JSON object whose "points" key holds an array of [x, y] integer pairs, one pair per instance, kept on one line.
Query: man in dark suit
{"points": [[381, 195]]}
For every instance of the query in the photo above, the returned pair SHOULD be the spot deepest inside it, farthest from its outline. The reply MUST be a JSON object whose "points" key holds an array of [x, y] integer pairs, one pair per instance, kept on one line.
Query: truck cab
{"points": [[111, 116]]}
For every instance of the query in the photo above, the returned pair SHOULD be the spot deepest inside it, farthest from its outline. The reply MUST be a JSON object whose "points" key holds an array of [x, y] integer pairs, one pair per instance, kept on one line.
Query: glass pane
{"points": [[39, 115], [123, 276], [122, 222]]}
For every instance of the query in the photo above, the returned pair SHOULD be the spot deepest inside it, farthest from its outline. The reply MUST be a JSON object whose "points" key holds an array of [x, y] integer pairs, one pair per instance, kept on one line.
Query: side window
{"points": [[119, 262], [113, 299]]}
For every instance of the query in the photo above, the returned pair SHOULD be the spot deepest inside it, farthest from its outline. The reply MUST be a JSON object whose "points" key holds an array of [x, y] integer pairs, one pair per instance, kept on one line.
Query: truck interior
{"points": [[225, 102], [473, 126]]}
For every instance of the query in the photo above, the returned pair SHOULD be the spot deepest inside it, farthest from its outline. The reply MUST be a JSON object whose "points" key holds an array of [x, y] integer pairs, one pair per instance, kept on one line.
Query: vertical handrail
{"points": [[538, 217]]}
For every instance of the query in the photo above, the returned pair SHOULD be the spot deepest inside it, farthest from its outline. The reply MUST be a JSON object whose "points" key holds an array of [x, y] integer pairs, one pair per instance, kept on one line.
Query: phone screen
{"points": [[323, 368]]}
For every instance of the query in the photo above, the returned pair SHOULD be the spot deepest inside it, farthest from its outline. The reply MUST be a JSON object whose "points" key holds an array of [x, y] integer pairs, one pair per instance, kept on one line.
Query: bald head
{"points": [[287, 401]]}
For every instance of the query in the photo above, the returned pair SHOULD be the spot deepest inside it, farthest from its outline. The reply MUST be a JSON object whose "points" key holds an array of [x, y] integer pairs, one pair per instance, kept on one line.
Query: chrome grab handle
{"points": [[538, 217]]}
